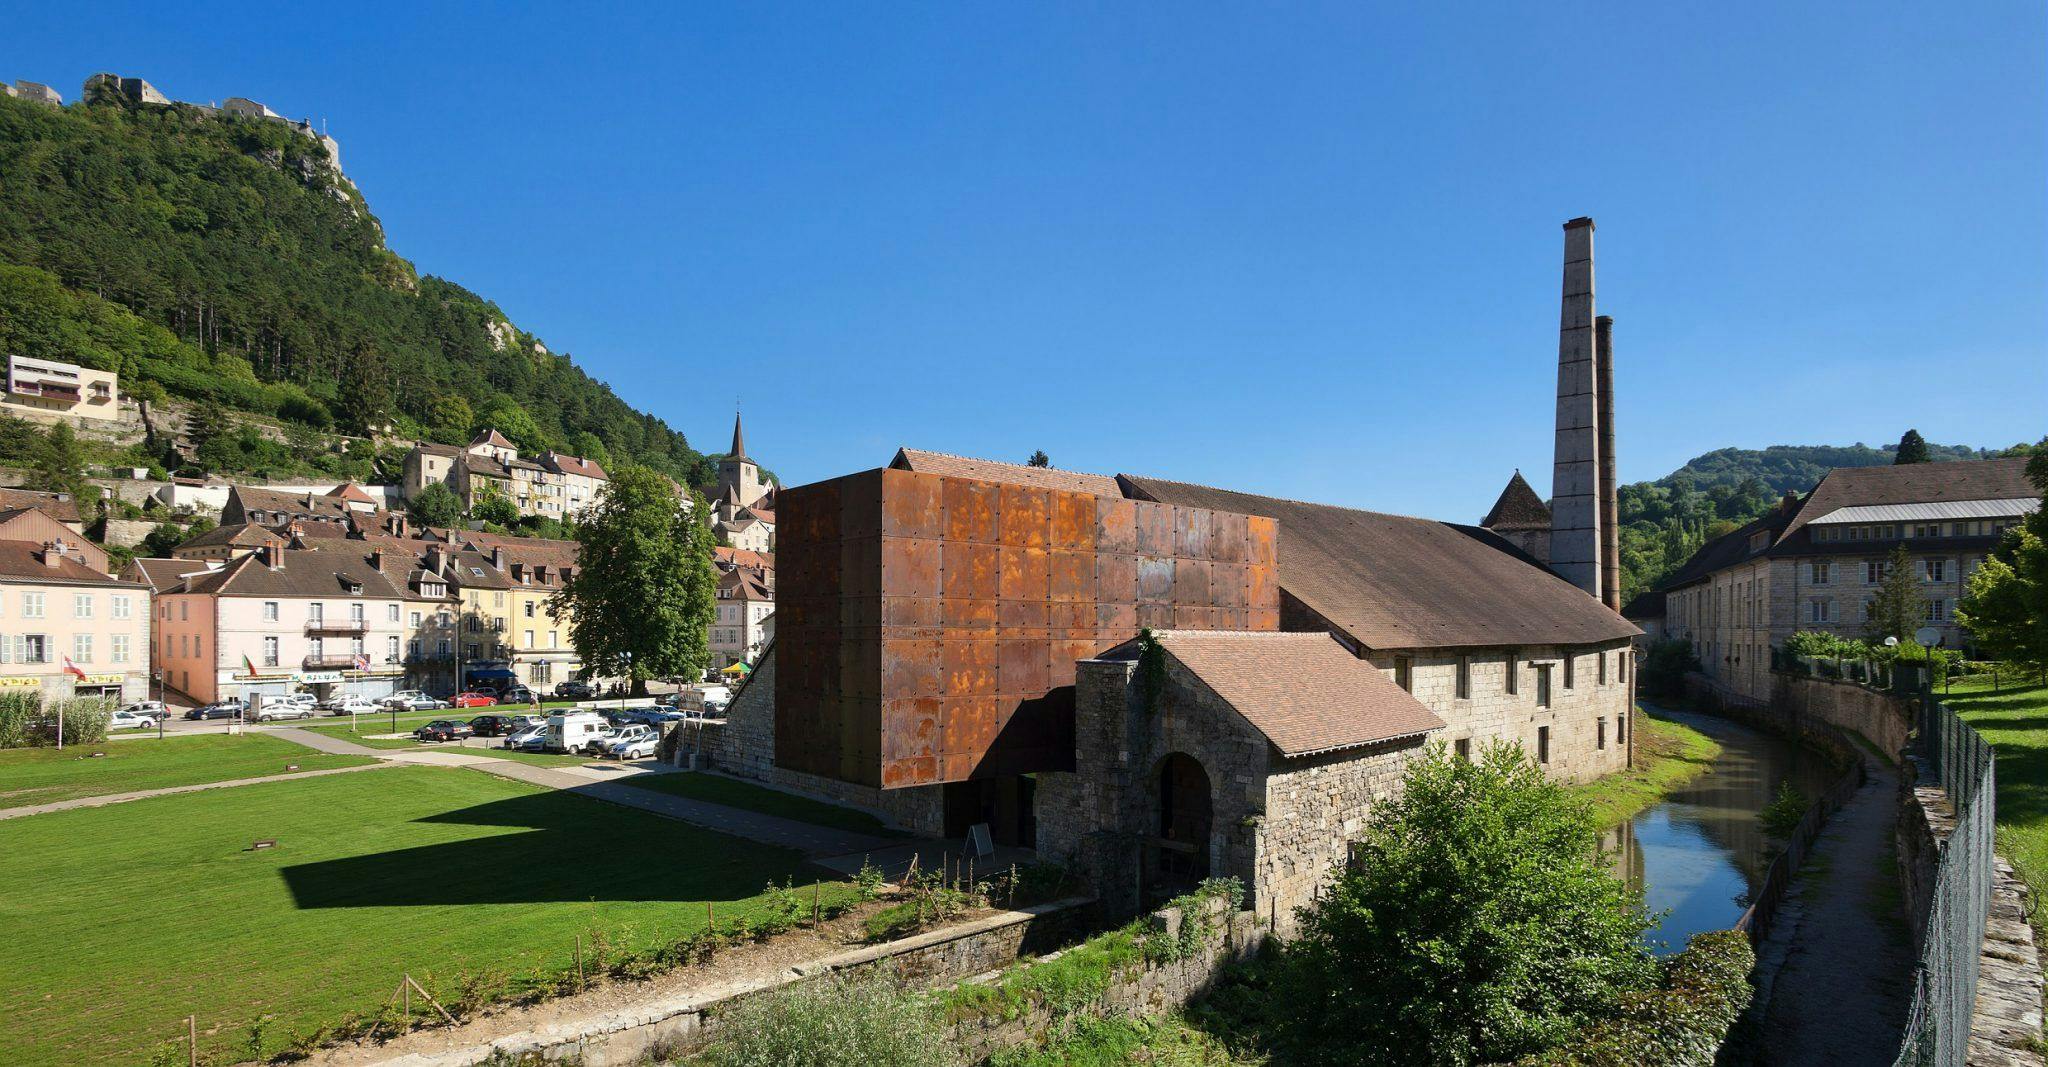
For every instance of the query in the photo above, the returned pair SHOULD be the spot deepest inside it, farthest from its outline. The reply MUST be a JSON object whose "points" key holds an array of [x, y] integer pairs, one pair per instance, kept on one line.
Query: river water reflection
{"points": [[1700, 851]]}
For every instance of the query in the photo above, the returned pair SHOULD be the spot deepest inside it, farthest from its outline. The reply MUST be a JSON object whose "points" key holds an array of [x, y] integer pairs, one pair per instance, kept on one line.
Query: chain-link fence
{"points": [[1945, 982]]}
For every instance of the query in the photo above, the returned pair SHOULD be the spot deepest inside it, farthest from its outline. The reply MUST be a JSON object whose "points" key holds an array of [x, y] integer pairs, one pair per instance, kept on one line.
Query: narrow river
{"points": [[1701, 851]]}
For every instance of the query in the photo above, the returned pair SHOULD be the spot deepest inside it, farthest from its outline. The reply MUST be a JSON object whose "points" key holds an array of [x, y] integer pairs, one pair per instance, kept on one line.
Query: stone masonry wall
{"points": [[1587, 720], [745, 747], [1883, 719], [1315, 807]]}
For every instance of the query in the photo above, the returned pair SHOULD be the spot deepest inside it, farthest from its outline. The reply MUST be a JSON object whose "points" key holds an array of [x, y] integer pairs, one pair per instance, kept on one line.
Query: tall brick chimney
{"points": [[1575, 530], [1610, 504]]}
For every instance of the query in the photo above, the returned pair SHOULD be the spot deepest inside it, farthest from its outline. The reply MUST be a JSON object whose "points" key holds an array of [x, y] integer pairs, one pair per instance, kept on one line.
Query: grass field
{"points": [[45, 775], [1668, 754], [122, 920], [737, 794], [2015, 721]]}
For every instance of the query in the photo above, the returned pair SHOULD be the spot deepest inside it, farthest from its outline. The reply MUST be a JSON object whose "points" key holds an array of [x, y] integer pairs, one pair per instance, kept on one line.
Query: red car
{"points": [[472, 700]]}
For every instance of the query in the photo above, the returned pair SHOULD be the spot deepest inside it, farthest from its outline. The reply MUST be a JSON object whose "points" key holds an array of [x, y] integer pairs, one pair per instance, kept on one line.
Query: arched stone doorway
{"points": [[1186, 818]]}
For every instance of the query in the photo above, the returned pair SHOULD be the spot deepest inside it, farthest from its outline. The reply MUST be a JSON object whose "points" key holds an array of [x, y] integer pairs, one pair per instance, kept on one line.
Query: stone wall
{"points": [[1153, 988], [1884, 720], [1314, 808], [1586, 719], [677, 1024]]}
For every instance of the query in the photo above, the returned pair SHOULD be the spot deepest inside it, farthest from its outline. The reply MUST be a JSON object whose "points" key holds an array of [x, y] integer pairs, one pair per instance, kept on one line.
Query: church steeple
{"points": [[739, 441]]}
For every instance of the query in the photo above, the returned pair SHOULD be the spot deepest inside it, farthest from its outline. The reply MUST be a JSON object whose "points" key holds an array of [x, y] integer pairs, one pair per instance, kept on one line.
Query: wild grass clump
{"points": [[835, 1022]]}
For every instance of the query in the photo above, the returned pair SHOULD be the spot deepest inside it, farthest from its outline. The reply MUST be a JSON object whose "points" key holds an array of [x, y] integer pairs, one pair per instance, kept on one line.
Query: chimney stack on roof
{"points": [[53, 554], [498, 556], [1575, 499], [271, 556]]}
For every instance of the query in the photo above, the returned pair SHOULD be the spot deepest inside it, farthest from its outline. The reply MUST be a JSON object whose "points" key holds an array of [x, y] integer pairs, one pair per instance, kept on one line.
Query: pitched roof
{"points": [[433, 448], [742, 584], [350, 491], [235, 535], [59, 506], [1648, 604], [989, 470], [485, 466], [551, 551], [566, 464], [1916, 483], [301, 573], [22, 561], [1303, 691], [161, 574], [1394, 582], [492, 438], [1519, 508], [742, 557], [276, 501], [1736, 545]]}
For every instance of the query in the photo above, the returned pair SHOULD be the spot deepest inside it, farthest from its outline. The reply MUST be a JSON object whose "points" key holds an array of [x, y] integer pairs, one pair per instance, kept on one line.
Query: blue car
{"points": [[226, 709]]}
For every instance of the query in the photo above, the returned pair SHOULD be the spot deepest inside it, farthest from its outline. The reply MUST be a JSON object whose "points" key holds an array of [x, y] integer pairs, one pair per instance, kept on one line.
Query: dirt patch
{"points": [[731, 966]]}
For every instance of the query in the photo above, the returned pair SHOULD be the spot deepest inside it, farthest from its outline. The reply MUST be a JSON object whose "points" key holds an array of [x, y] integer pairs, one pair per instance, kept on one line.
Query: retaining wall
{"points": [[1884, 720]]}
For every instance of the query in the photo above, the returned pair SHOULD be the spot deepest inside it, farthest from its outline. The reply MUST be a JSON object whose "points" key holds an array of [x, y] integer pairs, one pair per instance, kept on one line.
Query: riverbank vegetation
{"points": [[1668, 754]]}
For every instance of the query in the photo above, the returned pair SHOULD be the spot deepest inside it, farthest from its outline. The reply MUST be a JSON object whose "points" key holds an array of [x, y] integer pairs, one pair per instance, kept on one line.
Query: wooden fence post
{"points": [[817, 903], [192, 1040]]}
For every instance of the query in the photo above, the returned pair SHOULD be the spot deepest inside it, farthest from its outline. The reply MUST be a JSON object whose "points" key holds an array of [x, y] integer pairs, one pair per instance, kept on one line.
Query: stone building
{"points": [[34, 92], [1816, 563], [1256, 758], [555, 486], [1522, 519], [743, 515]]}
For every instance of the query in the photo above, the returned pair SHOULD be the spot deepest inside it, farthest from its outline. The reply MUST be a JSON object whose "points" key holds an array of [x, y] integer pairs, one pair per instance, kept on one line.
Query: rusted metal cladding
{"points": [[927, 627]]}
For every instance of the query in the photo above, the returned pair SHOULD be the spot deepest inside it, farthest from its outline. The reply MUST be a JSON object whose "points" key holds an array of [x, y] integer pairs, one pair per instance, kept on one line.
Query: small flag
{"points": [[362, 662], [247, 665], [72, 669]]}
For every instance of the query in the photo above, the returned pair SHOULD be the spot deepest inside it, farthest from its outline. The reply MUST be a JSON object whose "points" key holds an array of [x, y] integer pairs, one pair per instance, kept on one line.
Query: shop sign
{"points": [[102, 679], [317, 677], [20, 683]]}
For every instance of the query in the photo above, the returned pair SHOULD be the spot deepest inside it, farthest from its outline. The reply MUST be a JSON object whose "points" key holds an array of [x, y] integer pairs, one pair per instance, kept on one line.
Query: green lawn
{"points": [[737, 794], [122, 920], [1668, 754], [2015, 721], [45, 775]]}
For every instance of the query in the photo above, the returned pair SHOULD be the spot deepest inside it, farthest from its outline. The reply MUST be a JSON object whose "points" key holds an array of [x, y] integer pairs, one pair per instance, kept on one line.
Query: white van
{"points": [[578, 731]]}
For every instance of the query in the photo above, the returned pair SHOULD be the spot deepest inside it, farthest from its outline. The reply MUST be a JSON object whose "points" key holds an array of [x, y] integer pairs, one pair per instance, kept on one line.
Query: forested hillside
{"points": [[1664, 522], [220, 259]]}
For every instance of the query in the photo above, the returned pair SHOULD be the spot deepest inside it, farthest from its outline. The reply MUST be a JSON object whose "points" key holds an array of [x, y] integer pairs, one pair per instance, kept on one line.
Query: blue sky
{"points": [[1313, 253]]}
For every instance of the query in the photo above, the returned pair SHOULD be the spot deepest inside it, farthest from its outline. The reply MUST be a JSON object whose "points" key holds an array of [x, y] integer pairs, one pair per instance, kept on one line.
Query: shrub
{"points": [[834, 1022], [18, 714], [1665, 665], [1781, 816], [1680, 1023], [1479, 922]]}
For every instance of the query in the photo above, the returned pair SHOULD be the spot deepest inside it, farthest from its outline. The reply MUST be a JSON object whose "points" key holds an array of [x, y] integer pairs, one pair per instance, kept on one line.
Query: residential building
{"points": [[740, 628], [1816, 563], [556, 486], [59, 506], [69, 629], [538, 647], [47, 387], [327, 620], [342, 505], [228, 542], [35, 525], [743, 515]]}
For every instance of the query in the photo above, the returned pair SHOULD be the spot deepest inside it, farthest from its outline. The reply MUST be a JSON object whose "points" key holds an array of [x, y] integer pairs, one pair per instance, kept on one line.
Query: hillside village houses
{"points": [[554, 485], [743, 515], [1816, 563], [745, 620], [42, 389]]}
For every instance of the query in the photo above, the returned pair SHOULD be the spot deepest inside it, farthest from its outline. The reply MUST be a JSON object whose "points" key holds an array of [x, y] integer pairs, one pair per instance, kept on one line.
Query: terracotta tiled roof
{"points": [[1393, 582], [1519, 508], [22, 561], [301, 573], [742, 557], [1303, 691], [989, 470], [351, 492], [760, 515], [492, 438], [564, 464], [742, 584], [162, 574], [59, 506], [548, 550], [235, 535]]}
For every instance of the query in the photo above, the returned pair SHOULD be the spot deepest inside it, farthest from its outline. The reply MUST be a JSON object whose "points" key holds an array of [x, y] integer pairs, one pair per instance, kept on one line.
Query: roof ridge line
{"points": [[1291, 500]]}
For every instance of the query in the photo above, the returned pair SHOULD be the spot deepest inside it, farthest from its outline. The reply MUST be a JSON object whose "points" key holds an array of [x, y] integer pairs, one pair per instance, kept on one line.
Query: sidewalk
{"points": [[1844, 957]]}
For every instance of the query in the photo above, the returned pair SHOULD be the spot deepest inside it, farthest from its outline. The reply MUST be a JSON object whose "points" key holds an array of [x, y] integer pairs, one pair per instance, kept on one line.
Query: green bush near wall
{"points": [[26, 723], [1680, 1023]]}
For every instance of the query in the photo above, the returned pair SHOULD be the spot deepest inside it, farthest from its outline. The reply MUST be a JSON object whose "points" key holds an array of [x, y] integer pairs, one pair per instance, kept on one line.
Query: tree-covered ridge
{"points": [[257, 277], [1664, 522]]}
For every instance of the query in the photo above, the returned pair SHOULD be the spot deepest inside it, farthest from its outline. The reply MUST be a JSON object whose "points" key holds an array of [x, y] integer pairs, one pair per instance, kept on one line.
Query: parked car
{"points": [[222, 709], [273, 709], [444, 730], [532, 739], [352, 706], [413, 700], [575, 691], [517, 694], [472, 699], [633, 742], [138, 716], [496, 725]]}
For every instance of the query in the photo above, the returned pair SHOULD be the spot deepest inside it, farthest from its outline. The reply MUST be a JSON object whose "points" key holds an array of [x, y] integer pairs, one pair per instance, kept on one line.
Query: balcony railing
{"points": [[337, 626], [330, 662]]}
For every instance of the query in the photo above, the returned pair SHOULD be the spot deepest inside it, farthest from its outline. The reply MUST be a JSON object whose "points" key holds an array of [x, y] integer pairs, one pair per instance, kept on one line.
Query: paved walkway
{"points": [[145, 794], [1841, 992]]}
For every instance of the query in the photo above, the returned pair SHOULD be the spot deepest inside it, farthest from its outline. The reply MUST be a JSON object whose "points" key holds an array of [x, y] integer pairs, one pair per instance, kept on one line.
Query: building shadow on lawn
{"points": [[574, 851]]}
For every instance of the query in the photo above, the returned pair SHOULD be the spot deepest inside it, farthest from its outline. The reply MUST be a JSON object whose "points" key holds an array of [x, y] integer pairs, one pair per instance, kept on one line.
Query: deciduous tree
{"points": [[1480, 922], [2005, 606], [644, 591], [435, 505]]}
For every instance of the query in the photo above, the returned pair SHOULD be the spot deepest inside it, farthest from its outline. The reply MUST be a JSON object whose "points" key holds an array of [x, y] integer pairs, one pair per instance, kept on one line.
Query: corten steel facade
{"points": [[928, 626]]}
